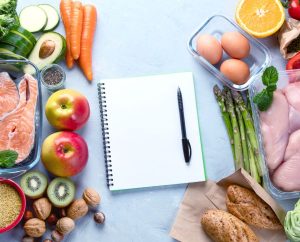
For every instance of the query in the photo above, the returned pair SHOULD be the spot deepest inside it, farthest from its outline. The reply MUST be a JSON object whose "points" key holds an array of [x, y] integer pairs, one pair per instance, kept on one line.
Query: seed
{"points": [[99, 217]]}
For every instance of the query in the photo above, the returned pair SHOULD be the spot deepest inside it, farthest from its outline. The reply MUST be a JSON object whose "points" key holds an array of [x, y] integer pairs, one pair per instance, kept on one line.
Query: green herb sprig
{"points": [[264, 98], [8, 158]]}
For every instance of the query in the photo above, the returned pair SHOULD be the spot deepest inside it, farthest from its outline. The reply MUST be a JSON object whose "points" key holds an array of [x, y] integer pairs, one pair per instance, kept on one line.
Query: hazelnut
{"points": [[35, 227], [27, 215], [99, 217], [27, 239], [52, 219], [46, 49], [65, 225], [42, 208], [77, 209], [56, 236], [91, 197]]}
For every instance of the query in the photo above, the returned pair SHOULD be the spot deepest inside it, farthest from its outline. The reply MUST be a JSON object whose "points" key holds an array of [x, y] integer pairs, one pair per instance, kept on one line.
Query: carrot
{"points": [[76, 28], [89, 27], [65, 12]]}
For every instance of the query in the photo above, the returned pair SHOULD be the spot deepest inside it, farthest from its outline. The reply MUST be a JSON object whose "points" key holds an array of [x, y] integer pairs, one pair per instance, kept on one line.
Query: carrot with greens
{"points": [[76, 28], [65, 12], [89, 27]]}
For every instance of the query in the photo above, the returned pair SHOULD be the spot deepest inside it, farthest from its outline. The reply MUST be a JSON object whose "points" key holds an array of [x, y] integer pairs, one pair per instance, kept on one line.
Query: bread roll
{"points": [[250, 208], [224, 227]]}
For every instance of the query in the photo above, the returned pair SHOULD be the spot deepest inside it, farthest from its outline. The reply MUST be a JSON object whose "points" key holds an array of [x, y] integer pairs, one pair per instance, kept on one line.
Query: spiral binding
{"points": [[105, 134]]}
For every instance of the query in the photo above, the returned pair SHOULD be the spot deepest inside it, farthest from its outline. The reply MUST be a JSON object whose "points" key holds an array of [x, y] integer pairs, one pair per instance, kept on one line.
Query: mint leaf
{"points": [[8, 158], [263, 99], [270, 76], [271, 88]]}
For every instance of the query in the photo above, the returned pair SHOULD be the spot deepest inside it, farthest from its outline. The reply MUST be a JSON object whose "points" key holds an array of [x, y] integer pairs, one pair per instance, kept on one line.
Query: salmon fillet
{"points": [[9, 96], [17, 129]]}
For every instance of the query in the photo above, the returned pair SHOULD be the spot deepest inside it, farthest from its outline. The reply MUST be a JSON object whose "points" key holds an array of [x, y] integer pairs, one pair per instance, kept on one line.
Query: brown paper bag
{"points": [[210, 195]]}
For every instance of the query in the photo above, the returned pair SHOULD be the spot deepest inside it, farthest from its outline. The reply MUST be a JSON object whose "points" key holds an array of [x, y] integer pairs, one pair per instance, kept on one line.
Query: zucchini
{"points": [[52, 15], [33, 18], [11, 48], [25, 34], [18, 41]]}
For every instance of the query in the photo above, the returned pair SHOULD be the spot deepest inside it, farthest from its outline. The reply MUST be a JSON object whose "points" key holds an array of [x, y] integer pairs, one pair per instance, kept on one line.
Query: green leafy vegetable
{"points": [[8, 16], [265, 97], [8, 158]]}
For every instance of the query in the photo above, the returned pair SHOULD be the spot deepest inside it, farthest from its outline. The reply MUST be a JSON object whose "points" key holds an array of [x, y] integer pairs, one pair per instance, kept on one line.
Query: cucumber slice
{"points": [[25, 34], [55, 56], [52, 15], [18, 42], [33, 18], [11, 48]]}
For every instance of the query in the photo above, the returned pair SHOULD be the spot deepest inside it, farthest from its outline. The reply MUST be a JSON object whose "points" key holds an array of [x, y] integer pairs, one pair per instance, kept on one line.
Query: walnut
{"points": [[91, 197], [46, 49], [77, 209], [56, 236], [42, 208], [35, 227], [65, 225]]}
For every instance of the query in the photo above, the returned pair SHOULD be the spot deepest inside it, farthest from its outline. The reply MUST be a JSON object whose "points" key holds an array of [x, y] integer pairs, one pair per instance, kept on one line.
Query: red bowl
{"points": [[23, 200]]}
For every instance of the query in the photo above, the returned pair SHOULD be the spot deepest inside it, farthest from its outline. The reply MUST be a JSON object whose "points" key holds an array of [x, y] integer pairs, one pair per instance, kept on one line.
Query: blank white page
{"points": [[144, 131]]}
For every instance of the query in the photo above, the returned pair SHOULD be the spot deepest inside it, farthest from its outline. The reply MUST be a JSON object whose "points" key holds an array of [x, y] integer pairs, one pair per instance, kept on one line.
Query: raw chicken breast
{"points": [[292, 93], [275, 130], [286, 177]]}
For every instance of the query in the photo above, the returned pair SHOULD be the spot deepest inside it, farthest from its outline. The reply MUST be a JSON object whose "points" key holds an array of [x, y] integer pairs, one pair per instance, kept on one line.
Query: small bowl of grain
{"points": [[12, 205]]}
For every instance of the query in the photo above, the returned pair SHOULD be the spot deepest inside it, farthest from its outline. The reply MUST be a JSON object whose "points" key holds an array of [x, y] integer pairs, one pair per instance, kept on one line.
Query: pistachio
{"points": [[65, 225], [77, 209], [42, 208], [91, 197], [46, 49], [35, 227]]}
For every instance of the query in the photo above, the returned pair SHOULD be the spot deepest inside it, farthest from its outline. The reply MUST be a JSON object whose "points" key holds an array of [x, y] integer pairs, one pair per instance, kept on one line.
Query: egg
{"points": [[235, 44], [235, 70], [210, 48]]}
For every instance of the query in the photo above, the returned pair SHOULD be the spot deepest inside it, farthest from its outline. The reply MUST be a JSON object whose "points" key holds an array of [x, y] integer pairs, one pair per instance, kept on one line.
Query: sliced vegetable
{"points": [[17, 50], [52, 17], [50, 42], [24, 33], [294, 63], [33, 18], [76, 28], [18, 42]]}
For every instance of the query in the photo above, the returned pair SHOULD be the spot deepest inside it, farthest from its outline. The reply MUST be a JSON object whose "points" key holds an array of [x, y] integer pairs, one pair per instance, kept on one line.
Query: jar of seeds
{"points": [[53, 77]]}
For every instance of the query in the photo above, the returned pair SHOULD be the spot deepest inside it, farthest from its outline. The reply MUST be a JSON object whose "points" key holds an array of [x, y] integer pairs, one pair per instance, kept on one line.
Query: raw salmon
{"points": [[9, 96], [17, 129]]}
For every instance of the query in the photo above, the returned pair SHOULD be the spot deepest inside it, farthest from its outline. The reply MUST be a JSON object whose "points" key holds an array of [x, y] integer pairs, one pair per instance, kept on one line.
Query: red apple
{"points": [[67, 109], [64, 153]]}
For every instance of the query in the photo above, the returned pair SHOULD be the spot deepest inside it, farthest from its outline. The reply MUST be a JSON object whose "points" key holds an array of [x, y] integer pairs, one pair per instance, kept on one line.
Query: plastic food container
{"points": [[285, 77], [16, 70], [259, 57]]}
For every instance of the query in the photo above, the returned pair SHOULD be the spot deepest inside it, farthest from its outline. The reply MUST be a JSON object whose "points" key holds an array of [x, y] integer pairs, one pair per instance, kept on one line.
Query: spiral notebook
{"points": [[141, 131]]}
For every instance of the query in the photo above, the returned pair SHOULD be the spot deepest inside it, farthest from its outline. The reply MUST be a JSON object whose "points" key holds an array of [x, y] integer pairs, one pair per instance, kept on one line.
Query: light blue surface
{"points": [[134, 38]]}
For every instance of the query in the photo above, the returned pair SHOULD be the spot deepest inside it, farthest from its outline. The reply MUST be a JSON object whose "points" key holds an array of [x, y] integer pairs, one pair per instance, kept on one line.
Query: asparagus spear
{"points": [[253, 169], [236, 133], [225, 115], [249, 105], [246, 165]]}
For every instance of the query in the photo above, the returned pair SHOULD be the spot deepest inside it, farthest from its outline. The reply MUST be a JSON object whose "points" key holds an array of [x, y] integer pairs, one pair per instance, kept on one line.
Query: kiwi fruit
{"points": [[34, 184], [61, 192]]}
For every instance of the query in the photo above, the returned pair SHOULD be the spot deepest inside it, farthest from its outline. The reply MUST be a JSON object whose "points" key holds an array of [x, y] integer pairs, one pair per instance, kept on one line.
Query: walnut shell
{"points": [[42, 208], [35, 227], [91, 197], [65, 225], [77, 209]]}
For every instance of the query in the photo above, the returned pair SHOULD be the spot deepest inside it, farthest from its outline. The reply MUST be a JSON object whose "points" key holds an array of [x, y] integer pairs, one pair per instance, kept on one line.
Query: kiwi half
{"points": [[34, 184], [61, 192]]}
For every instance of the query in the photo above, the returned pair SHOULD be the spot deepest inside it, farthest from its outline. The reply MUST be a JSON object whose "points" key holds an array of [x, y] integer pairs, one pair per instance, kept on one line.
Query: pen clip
{"points": [[187, 149]]}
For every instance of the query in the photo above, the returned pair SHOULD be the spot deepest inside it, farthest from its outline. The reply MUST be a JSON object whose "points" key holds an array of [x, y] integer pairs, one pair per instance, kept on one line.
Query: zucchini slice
{"points": [[33, 18], [18, 41], [25, 34], [19, 51], [52, 15]]}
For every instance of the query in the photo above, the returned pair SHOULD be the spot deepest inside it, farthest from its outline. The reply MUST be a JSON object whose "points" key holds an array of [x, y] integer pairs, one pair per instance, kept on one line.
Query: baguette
{"points": [[224, 227], [250, 208]]}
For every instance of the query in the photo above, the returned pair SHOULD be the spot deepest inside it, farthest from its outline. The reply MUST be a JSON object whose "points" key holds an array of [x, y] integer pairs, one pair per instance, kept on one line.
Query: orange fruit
{"points": [[260, 18]]}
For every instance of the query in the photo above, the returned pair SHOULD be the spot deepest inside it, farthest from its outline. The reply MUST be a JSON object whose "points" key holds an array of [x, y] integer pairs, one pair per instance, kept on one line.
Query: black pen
{"points": [[186, 146]]}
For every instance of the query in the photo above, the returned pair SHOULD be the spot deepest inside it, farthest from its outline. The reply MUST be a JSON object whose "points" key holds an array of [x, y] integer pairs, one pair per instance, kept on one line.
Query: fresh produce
{"points": [[294, 9], [77, 209], [99, 217], [52, 219], [42, 208], [67, 109], [235, 45], [33, 18], [260, 18], [65, 12], [265, 97], [50, 42], [209, 48], [61, 192], [292, 224], [35, 227], [240, 129], [34, 184], [65, 225], [87, 37], [8, 158], [76, 28], [27, 215], [91, 197], [235, 70], [8, 16], [294, 62], [52, 17], [22, 51]]}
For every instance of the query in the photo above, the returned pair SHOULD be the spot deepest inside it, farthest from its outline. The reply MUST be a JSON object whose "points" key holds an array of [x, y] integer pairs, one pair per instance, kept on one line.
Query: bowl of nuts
{"points": [[12, 205]]}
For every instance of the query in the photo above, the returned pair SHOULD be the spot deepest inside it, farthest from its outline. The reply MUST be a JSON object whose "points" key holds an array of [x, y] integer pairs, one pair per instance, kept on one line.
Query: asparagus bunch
{"points": [[240, 129]]}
